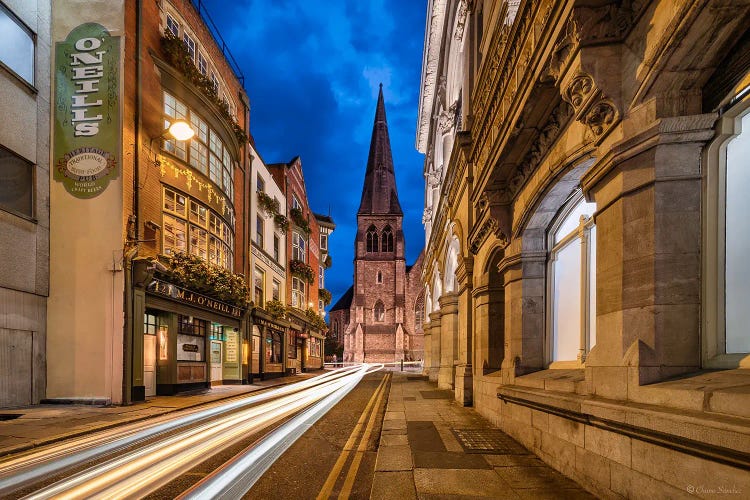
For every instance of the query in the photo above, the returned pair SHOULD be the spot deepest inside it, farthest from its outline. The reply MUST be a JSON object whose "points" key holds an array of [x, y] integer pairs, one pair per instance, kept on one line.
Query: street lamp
{"points": [[180, 130]]}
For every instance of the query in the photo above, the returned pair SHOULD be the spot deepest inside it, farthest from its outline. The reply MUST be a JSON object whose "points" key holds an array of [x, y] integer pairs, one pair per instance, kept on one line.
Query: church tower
{"points": [[376, 330]]}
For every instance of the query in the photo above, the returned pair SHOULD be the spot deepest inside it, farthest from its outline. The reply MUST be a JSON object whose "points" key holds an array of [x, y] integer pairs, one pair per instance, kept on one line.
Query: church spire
{"points": [[379, 195]]}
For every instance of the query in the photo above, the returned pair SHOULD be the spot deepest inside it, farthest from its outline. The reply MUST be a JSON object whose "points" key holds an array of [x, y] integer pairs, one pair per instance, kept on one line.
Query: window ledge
{"points": [[712, 436], [560, 380]]}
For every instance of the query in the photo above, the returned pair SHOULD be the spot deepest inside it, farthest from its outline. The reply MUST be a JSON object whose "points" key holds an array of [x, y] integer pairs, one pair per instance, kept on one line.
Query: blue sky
{"points": [[312, 70]]}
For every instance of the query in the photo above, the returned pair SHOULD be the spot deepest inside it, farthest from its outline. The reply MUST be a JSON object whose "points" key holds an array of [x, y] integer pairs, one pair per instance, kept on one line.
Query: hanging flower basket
{"points": [[316, 321], [325, 296], [193, 273], [275, 308], [301, 270], [179, 57], [299, 220], [281, 221]]}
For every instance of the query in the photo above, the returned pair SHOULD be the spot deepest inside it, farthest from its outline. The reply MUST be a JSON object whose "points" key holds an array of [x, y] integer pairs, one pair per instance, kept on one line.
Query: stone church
{"points": [[380, 316]]}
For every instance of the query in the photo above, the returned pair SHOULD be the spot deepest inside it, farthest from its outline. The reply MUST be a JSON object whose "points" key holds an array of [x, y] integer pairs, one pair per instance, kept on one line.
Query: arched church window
{"points": [[419, 312], [387, 240], [372, 239], [379, 312], [572, 271], [380, 278]]}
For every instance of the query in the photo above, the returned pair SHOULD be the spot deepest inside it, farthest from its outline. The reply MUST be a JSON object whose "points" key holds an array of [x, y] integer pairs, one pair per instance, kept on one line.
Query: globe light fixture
{"points": [[181, 130]]}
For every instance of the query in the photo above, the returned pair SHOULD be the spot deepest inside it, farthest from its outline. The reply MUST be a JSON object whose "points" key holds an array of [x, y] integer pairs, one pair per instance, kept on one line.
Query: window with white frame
{"points": [[260, 184], [727, 241], [173, 25], [276, 290], [189, 45], [321, 277], [572, 283], [202, 64], [295, 203], [207, 152], [298, 293], [276, 248], [197, 230], [298, 247], [324, 242]]}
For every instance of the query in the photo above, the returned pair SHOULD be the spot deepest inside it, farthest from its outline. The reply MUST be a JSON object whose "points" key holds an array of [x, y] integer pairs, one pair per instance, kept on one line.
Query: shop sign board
{"points": [[175, 292], [230, 348], [87, 110]]}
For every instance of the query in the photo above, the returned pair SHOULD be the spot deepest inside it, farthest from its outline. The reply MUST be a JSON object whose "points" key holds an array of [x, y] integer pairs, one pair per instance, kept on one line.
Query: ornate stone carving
{"points": [[489, 226], [606, 23], [446, 120], [578, 90], [600, 116], [427, 215], [458, 33]]}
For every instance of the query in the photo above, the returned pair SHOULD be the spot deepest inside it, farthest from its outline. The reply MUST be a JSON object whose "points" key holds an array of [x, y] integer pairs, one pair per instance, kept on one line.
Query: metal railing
{"points": [[216, 34]]}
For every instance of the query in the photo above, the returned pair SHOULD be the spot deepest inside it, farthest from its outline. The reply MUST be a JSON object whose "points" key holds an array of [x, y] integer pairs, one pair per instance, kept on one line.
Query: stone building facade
{"points": [[586, 266], [378, 317], [24, 200]]}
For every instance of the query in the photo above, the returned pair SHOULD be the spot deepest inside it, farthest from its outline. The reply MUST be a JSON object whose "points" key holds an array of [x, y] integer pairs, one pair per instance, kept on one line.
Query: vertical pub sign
{"points": [[87, 110]]}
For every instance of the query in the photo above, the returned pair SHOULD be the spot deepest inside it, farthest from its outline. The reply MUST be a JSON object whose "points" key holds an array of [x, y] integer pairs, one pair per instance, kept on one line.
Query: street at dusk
{"points": [[374, 249]]}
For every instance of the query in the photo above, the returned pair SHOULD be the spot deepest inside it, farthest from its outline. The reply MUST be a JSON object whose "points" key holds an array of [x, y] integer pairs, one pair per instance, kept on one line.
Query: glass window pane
{"points": [[592, 287], [175, 239], [199, 157], [566, 302], [738, 241], [200, 127], [17, 49], [572, 220], [16, 183]]}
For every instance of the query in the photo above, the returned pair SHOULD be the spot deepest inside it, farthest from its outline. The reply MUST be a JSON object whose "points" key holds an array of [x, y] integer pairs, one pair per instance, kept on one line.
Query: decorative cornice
{"points": [[590, 105], [605, 23], [434, 37], [458, 32]]}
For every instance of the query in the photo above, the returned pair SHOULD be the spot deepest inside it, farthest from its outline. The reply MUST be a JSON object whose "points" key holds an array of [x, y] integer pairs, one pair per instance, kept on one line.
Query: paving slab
{"points": [[450, 452]]}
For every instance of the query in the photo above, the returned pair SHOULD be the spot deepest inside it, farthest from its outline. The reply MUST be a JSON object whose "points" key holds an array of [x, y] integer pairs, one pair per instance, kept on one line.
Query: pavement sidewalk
{"points": [[431, 447], [39, 425]]}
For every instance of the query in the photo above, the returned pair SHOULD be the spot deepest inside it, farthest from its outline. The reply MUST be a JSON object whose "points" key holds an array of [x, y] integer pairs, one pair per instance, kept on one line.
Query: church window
{"points": [[372, 239], [380, 278], [419, 312], [572, 272], [379, 312], [387, 240]]}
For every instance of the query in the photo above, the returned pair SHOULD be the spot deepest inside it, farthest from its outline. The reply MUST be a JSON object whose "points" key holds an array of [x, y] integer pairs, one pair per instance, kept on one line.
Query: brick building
{"points": [[377, 316]]}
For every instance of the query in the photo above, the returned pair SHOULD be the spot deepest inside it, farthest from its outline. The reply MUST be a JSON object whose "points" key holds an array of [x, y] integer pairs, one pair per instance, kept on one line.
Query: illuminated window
{"points": [[298, 293], [572, 263]]}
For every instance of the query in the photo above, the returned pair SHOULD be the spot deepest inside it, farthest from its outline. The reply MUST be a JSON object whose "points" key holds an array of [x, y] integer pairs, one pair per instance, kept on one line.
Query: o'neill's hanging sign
{"points": [[87, 110]]}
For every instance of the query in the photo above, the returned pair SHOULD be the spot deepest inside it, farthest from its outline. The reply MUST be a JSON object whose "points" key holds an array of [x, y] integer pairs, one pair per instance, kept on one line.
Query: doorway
{"points": [[149, 364], [216, 370]]}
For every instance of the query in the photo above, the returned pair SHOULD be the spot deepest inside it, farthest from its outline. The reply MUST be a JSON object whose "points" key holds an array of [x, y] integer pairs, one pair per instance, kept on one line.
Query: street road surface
{"points": [[224, 449]]}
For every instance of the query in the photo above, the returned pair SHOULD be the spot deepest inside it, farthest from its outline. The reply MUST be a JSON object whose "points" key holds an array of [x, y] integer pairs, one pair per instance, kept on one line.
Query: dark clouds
{"points": [[312, 70]]}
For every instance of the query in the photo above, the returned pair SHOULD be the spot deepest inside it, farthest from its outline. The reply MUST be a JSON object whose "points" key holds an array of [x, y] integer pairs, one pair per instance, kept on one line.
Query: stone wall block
{"points": [[593, 469], [566, 429], [611, 445]]}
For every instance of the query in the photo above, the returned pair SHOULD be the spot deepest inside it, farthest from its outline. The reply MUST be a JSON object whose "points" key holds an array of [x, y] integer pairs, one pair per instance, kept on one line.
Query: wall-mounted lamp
{"points": [[180, 130]]}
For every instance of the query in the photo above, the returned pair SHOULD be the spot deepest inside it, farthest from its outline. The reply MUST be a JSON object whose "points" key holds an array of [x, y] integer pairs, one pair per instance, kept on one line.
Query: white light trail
{"points": [[55, 459], [144, 470]]}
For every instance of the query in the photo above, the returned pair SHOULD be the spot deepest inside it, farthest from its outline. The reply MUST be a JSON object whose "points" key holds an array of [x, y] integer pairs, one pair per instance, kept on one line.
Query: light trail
{"points": [[31, 467], [237, 476], [146, 469]]}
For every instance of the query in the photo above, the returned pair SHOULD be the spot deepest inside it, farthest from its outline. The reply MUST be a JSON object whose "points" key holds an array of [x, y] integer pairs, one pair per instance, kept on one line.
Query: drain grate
{"points": [[9, 416], [488, 441]]}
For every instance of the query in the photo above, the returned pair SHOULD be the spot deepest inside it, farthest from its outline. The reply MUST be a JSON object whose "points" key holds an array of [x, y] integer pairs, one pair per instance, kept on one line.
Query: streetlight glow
{"points": [[181, 130]]}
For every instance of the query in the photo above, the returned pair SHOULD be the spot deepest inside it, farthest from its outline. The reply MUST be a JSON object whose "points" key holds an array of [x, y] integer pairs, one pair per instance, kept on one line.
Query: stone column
{"points": [[464, 380], [448, 339], [648, 267], [435, 345], [427, 344]]}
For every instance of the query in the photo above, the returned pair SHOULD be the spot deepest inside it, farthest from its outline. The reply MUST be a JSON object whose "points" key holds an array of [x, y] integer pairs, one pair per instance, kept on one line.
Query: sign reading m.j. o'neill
{"points": [[87, 110]]}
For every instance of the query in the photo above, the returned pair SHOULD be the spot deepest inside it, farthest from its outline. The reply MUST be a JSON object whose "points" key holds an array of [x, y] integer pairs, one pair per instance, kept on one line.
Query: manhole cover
{"points": [[436, 394], [489, 441]]}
